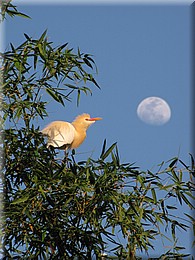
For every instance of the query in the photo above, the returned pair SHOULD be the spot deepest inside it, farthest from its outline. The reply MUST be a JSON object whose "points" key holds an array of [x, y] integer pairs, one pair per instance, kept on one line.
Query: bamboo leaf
{"points": [[106, 154], [78, 97], [171, 207], [20, 200], [184, 164], [154, 195], [62, 46], [27, 37], [13, 13], [88, 63], [53, 94], [103, 148], [173, 230], [186, 200], [174, 161], [42, 36]]}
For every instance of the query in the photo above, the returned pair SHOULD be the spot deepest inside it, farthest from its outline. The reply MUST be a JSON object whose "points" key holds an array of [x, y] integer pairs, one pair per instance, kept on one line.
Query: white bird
{"points": [[64, 135]]}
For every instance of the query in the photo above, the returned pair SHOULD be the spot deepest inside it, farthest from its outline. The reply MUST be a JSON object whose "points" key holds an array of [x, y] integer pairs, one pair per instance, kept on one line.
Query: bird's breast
{"points": [[78, 139]]}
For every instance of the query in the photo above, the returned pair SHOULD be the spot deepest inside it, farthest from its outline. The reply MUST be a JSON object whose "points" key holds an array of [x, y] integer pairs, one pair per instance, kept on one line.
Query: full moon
{"points": [[154, 111]]}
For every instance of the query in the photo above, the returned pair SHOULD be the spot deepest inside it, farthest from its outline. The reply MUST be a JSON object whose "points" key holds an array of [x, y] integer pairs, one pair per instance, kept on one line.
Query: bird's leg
{"points": [[72, 155], [66, 156], [65, 160]]}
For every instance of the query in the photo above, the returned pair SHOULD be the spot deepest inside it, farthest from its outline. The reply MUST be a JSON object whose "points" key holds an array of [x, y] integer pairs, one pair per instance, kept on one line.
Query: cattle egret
{"points": [[64, 135]]}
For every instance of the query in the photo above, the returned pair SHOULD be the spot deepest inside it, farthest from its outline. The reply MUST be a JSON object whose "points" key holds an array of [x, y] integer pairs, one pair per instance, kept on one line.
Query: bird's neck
{"points": [[79, 127], [80, 135]]}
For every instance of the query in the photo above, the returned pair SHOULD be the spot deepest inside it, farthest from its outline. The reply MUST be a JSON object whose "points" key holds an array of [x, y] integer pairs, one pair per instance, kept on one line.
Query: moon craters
{"points": [[154, 110]]}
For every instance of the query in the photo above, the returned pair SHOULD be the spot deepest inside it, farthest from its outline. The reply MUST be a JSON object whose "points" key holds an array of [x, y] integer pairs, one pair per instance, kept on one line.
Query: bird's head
{"points": [[85, 120]]}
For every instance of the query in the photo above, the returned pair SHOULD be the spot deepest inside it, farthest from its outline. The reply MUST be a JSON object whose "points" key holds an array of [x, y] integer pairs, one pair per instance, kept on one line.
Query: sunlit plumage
{"points": [[65, 135]]}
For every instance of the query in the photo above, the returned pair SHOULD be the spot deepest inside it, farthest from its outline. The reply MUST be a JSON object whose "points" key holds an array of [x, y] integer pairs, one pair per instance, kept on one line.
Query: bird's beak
{"points": [[94, 119]]}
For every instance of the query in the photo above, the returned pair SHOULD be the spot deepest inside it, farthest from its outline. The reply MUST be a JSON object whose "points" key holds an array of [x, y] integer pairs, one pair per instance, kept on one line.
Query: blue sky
{"points": [[140, 51]]}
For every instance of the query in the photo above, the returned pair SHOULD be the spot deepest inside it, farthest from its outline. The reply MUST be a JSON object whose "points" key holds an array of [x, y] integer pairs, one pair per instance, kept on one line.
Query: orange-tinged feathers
{"points": [[64, 135]]}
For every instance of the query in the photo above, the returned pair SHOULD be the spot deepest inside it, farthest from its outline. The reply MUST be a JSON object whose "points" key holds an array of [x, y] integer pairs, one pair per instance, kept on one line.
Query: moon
{"points": [[154, 111]]}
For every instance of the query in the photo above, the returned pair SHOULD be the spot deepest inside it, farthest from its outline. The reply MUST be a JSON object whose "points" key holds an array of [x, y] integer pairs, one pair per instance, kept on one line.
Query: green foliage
{"points": [[35, 69], [63, 209], [9, 9]]}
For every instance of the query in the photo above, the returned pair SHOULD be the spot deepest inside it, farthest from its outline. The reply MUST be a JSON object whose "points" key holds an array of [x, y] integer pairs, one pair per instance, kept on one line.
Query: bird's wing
{"points": [[59, 133]]}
